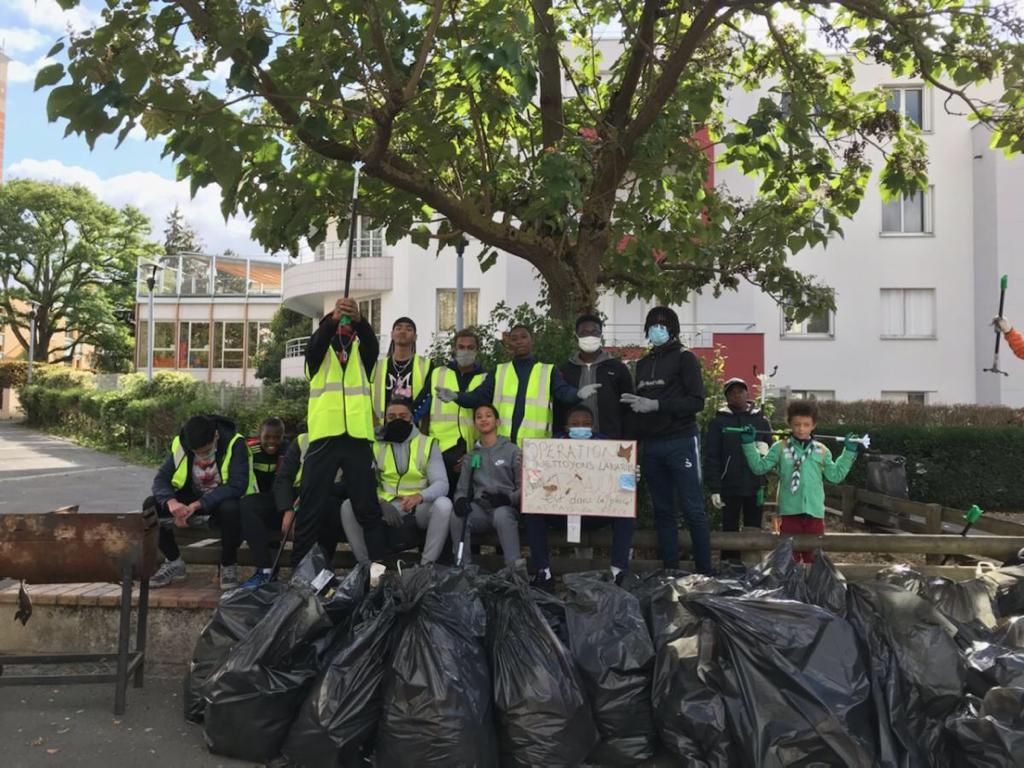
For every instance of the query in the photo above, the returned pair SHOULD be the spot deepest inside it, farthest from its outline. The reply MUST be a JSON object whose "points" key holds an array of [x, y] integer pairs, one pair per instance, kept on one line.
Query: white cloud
{"points": [[47, 14], [20, 72], [18, 41], [156, 197]]}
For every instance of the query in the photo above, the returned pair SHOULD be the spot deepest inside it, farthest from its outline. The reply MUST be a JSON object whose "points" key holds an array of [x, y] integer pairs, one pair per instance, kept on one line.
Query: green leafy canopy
{"points": [[517, 123]]}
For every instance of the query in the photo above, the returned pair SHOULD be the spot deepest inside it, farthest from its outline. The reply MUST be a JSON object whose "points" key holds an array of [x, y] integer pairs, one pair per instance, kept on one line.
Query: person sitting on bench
{"points": [[412, 489], [579, 425], [487, 498], [206, 472]]}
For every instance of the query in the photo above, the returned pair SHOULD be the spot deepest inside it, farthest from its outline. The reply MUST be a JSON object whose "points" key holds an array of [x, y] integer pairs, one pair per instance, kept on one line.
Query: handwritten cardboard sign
{"points": [[579, 477]]}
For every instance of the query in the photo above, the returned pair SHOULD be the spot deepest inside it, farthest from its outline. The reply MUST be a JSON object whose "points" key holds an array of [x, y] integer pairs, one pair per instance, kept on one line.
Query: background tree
{"points": [[76, 257], [179, 236], [459, 111], [285, 325]]}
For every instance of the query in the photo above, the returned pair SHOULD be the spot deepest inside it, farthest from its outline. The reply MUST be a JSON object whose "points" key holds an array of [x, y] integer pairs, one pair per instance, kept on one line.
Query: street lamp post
{"points": [[31, 337], [150, 333], [460, 248]]}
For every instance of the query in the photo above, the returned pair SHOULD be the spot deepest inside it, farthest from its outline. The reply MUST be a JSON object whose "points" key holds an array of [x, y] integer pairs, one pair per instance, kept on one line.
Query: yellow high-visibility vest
{"points": [[303, 441], [420, 366], [537, 416], [394, 485], [449, 421], [180, 477], [339, 398]]}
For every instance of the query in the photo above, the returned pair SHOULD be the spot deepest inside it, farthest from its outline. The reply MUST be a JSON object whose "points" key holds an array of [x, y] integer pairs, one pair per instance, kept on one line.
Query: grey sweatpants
{"points": [[480, 520], [432, 517]]}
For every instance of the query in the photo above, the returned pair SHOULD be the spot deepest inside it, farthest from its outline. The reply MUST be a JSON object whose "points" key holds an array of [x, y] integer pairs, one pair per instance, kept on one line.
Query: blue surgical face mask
{"points": [[580, 433], [657, 335]]}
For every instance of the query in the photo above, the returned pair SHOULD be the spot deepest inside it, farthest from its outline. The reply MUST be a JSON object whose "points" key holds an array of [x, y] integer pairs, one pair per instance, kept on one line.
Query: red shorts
{"points": [[793, 524]]}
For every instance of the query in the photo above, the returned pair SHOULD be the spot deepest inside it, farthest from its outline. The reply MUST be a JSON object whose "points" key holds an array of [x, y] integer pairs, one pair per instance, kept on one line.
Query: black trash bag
{"points": [[234, 617], [615, 656], [916, 667], [341, 711], [1007, 587], [826, 586], [795, 681], [903, 576], [991, 738], [543, 717], [437, 692], [887, 474], [552, 609], [963, 601], [1009, 632], [664, 616], [778, 572], [254, 696], [993, 666]]}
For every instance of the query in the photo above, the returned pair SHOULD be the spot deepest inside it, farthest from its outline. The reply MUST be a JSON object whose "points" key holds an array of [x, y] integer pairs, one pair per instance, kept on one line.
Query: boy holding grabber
{"points": [[803, 463]]}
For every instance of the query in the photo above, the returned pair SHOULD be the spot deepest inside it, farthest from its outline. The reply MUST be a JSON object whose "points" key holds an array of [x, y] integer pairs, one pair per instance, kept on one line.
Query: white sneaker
{"points": [[228, 577], [171, 570]]}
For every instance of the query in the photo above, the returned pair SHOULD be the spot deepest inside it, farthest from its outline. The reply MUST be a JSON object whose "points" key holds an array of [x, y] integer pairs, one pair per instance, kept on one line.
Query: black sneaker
{"points": [[620, 577], [540, 581]]}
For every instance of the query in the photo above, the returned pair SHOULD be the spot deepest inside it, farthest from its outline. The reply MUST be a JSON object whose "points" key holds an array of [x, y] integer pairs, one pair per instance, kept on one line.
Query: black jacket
{"points": [[671, 375], [326, 337], [285, 491], [238, 469], [260, 458], [615, 380], [725, 467]]}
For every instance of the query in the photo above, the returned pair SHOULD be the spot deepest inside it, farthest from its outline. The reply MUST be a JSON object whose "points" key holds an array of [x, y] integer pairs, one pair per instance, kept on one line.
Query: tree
{"points": [[179, 237], [459, 112], [286, 324], [75, 256]]}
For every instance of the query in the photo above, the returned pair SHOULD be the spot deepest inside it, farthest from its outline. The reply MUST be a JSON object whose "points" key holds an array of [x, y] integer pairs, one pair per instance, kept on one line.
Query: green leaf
{"points": [[57, 48], [49, 75], [420, 235]]}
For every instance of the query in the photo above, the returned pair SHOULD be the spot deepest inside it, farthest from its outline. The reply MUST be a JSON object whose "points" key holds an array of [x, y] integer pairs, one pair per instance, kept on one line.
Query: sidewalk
{"points": [[39, 473]]}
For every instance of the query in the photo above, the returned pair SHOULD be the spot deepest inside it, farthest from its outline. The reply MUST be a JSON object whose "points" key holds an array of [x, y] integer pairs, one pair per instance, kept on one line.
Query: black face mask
{"points": [[396, 431]]}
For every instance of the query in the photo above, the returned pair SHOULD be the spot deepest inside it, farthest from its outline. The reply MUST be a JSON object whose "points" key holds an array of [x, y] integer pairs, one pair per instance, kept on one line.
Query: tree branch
{"points": [[552, 120], [424, 53], [641, 49]]}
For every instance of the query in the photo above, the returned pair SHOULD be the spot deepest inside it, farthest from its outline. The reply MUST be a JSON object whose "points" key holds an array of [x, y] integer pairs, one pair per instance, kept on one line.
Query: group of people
{"points": [[398, 451]]}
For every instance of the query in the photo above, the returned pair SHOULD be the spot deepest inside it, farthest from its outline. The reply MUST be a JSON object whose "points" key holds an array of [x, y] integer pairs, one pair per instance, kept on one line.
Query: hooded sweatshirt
{"points": [[499, 470], [437, 475], [238, 470], [671, 375], [725, 467], [615, 380]]}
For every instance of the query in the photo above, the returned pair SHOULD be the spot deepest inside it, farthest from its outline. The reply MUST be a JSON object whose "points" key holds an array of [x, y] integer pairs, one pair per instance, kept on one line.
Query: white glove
{"points": [[716, 501], [1001, 324], [762, 448], [639, 404], [446, 395], [587, 391]]}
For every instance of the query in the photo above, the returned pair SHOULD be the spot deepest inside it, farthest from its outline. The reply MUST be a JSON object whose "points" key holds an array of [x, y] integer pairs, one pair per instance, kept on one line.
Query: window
{"points": [[195, 276], [369, 242], [812, 394], [370, 310], [910, 216], [446, 308], [819, 325], [163, 344], [227, 345], [229, 279], [908, 102], [908, 313], [194, 345], [914, 398], [259, 337]]}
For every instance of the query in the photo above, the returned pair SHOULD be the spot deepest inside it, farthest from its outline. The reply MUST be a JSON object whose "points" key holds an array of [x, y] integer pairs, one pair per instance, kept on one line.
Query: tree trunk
{"points": [[571, 291]]}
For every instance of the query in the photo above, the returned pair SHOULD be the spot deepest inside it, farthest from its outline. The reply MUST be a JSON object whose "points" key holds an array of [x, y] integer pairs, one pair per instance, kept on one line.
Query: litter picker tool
{"points": [[864, 441], [999, 336], [357, 166], [280, 548], [971, 516]]}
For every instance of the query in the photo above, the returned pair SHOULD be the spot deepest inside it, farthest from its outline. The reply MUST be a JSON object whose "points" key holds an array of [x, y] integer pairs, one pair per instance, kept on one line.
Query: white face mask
{"points": [[465, 357], [589, 343]]}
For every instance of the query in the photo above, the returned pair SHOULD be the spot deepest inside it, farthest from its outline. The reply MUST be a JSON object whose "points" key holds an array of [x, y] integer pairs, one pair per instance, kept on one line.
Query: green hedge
{"points": [[954, 466]]}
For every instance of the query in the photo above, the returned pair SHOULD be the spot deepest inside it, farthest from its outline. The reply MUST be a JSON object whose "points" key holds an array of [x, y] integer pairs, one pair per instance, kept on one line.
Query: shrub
{"points": [[879, 412]]}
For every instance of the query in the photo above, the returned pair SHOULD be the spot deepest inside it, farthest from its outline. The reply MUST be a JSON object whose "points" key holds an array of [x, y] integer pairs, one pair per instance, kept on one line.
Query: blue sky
{"points": [[132, 174]]}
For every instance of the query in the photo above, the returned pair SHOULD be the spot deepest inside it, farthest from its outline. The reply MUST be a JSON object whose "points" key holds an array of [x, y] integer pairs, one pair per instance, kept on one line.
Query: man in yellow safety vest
{"points": [[339, 357], [402, 373], [451, 425], [523, 391], [412, 488], [206, 472]]}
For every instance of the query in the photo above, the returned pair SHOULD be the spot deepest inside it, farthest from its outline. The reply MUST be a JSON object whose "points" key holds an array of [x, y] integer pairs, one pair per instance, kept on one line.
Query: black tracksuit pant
{"points": [[735, 509], [226, 516], [261, 517]]}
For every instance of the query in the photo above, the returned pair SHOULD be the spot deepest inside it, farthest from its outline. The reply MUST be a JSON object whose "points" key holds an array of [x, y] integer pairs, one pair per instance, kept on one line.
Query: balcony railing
{"points": [[691, 334], [296, 347], [195, 274]]}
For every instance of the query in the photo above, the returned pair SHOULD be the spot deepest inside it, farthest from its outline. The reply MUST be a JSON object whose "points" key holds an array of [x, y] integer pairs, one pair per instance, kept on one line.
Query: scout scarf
{"points": [[796, 453]]}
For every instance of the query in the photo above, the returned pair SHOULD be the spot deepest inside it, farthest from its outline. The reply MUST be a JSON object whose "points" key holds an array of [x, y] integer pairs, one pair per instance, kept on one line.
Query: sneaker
{"points": [[197, 521], [228, 577], [543, 581], [171, 570], [257, 580], [620, 577]]}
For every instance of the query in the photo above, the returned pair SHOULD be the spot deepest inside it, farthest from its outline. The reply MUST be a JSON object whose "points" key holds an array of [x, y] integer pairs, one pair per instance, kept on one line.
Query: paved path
{"points": [[39, 472]]}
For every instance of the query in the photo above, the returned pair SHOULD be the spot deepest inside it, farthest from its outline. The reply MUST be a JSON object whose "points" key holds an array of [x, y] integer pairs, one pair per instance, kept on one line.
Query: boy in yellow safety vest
{"points": [[412, 489], [206, 472], [402, 373]]}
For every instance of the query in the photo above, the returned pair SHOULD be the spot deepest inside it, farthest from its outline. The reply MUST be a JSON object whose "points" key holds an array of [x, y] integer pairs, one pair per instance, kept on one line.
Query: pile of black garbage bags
{"points": [[772, 666]]}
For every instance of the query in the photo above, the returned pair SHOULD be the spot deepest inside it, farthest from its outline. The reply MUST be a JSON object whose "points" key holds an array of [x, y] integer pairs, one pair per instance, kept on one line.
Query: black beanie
{"points": [[408, 320], [664, 316]]}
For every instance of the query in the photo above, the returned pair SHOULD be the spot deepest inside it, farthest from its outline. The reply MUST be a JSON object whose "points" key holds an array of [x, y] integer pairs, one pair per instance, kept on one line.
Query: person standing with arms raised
{"points": [[402, 373], [523, 390], [339, 357], [669, 395]]}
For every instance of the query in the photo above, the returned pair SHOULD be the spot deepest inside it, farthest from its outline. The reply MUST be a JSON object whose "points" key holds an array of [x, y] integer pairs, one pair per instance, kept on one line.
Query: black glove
{"points": [[463, 507], [497, 499]]}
